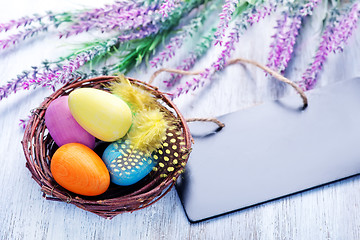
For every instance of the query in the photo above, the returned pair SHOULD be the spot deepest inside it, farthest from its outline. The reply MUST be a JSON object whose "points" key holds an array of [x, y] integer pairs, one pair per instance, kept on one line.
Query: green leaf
{"points": [[154, 44]]}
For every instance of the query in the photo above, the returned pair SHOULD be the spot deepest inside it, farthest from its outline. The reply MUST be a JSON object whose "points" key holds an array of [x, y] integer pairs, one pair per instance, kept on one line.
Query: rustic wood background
{"points": [[328, 212]]}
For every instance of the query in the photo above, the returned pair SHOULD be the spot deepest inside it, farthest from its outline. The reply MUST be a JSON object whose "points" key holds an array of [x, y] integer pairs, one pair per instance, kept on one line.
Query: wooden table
{"points": [[328, 212]]}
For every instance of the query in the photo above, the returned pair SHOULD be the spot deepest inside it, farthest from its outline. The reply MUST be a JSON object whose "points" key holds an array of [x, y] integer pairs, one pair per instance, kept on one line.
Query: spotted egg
{"points": [[126, 164]]}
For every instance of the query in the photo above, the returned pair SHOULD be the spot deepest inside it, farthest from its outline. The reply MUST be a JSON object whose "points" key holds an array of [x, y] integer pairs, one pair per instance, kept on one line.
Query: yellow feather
{"points": [[149, 122], [135, 97], [148, 129]]}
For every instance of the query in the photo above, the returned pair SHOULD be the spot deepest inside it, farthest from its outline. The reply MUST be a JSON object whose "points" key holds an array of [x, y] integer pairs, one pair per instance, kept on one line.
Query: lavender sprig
{"points": [[247, 18], [38, 76], [23, 122], [169, 51], [97, 51], [276, 46], [187, 31], [140, 33], [119, 20], [288, 27], [53, 20], [117, 7], [22, 22], [50, 74], [189, 62], [142, 43], [133, 19], [168, 6], [225, 16], [282, 47], [41, 76], [22, 35], [336, 33]]}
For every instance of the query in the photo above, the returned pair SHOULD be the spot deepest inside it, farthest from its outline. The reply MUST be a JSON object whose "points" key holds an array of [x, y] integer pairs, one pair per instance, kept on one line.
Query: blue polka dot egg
{"points": [[126, 164]]}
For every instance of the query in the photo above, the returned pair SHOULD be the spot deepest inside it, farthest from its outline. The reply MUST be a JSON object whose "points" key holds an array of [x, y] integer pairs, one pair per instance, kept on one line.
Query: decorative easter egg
{"points": [[79, 169], [102, 114], [62, 126], [126, 164]]}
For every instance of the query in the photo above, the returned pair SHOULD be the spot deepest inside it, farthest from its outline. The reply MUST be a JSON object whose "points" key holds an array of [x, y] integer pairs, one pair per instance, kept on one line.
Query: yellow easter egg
{"points": [[102, 114]]}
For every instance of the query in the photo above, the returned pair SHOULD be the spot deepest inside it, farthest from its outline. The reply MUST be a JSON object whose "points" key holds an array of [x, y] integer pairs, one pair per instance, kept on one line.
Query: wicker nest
{"points": [[39, 147]]}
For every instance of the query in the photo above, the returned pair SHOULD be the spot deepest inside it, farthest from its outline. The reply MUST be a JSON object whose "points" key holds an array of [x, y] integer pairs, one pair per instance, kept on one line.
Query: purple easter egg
{"points": [[63, 127]]}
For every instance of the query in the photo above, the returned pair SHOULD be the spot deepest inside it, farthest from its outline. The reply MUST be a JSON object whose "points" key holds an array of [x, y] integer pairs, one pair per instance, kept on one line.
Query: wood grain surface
{"points": [[328, 212]]}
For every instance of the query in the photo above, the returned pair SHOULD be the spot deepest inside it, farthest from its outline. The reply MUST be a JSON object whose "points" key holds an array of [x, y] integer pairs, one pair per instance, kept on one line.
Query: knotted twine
{"points": [[274, 74]]}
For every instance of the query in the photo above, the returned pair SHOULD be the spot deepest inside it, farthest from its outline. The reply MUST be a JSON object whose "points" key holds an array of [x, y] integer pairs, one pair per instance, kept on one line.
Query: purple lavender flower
{"points": [[167, 7], [117, 19], [282, 47], [225, 17], [284, 42], [169, 51], [117, 7], [307, 9], [277, 45], [129, 20], [18, 37], [43, 23], [186, 65], [334, 37], [177, 41], [74, 64], [36, 77], [228, 49], [247, 19], [193, 56], [289, 41], [141, 33], [49, 76], [43, 78], [10, 87], [24, 21], [191, 85], [260, 14], [23, 122]]}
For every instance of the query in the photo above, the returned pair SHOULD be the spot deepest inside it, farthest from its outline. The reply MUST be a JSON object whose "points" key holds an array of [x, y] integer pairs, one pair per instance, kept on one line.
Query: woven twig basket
{"points": [[38, 147]]}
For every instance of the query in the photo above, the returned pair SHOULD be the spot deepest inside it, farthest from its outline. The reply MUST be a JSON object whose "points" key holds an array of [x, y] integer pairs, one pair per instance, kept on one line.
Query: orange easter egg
{"points": [[79, 169]]}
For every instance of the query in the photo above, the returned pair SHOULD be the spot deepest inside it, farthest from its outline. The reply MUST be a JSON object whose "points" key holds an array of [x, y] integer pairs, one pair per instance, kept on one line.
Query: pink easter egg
{"points": [[63, 127]]}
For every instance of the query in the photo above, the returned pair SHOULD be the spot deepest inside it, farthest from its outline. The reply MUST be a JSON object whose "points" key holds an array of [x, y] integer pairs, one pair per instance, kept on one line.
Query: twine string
{"points": [[240, 60], [276, 75], [214, 120]]}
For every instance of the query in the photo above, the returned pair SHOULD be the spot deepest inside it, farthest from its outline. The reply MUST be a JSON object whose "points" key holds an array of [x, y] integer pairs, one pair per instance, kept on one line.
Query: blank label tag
{"points": [[273, 150]]}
